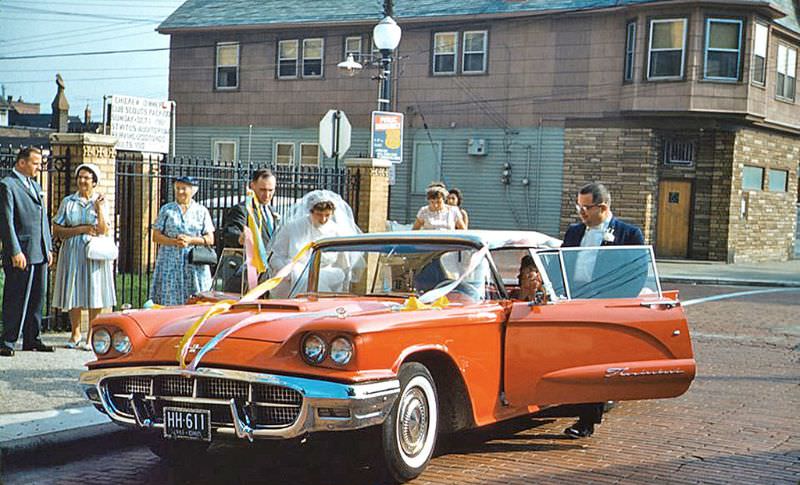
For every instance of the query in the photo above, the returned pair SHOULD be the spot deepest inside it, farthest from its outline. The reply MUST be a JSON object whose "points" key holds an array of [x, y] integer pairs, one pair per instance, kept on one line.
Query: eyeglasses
{"points": [[582, 208]]}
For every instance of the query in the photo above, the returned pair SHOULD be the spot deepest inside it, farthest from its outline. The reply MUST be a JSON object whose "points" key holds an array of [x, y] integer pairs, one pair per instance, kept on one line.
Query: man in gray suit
{"points": [[25, 231]]}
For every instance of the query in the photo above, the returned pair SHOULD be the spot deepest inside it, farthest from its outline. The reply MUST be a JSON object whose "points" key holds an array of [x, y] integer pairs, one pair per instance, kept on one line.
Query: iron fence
{"points": [[56, 181], [144, 184]]}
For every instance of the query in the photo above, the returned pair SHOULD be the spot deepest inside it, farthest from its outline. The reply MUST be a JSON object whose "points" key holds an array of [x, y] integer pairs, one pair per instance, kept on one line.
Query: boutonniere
{"points": [[608, 236]]}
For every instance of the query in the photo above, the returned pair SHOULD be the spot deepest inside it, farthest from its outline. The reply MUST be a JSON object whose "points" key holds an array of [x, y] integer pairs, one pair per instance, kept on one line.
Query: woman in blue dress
{"points": [[181, 225], [82, 283]]}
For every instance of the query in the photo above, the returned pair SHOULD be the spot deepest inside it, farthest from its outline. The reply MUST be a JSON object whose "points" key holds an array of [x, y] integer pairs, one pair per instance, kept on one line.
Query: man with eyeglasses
{"points": [[598, 227]]}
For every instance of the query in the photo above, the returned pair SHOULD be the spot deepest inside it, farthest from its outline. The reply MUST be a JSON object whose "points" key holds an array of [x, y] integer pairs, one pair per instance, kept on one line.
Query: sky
{"points": [[46, 30]]}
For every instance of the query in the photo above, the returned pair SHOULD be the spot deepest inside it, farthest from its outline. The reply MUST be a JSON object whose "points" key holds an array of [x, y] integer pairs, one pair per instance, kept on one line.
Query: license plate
{"points": [[187, 424]]}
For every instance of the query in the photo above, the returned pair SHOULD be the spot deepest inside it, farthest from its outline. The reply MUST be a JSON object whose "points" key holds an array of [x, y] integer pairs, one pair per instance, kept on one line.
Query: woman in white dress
{"points": [[437, 214], [82, 283], [319, 214]]}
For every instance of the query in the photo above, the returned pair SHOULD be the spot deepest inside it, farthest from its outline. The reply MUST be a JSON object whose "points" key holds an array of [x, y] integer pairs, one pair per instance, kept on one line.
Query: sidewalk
{"points": [[42, 405]]}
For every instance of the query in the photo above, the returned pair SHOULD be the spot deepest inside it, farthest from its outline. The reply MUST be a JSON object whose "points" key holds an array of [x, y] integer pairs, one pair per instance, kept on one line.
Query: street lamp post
{"points": [[387, 37]]}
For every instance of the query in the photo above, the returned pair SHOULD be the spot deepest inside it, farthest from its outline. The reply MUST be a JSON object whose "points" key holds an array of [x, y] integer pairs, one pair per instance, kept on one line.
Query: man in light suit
{"points": [[25, 232], [598, 227]]}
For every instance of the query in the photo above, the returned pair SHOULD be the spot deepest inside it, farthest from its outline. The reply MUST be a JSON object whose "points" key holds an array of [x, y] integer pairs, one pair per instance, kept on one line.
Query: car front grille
{"points": [[268, 405]]}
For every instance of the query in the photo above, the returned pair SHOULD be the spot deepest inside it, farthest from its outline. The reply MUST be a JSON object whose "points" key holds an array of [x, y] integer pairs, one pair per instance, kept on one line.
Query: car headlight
{"points": [[121, 342], [313, 348], [101, 341], [341, 350]]}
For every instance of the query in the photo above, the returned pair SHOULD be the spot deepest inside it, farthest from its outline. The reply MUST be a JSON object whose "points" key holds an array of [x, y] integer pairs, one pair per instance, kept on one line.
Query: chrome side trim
{"points": [[368, 404]]}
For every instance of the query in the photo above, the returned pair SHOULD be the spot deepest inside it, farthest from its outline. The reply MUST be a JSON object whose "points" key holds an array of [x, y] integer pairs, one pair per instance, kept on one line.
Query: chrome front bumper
{"points": [[325, 406]]}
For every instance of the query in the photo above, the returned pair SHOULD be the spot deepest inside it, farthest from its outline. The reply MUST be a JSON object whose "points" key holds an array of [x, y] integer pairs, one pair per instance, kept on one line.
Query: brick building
{"points": [[686, 109]]}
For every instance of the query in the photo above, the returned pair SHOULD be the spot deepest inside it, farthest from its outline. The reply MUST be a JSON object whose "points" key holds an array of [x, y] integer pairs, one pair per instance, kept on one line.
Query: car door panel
{"points": [[595, 350]]}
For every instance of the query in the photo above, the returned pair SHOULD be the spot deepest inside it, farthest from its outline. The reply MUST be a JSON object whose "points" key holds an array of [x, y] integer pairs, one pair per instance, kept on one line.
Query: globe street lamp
{"points": [[386, 36]]}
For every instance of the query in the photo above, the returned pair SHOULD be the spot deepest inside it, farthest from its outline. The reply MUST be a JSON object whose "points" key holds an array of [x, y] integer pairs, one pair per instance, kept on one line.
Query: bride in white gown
{"points": [[319, 214]]}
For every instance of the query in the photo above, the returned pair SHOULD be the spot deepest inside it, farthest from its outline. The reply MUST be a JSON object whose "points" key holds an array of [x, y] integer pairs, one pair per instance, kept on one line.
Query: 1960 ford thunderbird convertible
{"points": [[416, 333]]}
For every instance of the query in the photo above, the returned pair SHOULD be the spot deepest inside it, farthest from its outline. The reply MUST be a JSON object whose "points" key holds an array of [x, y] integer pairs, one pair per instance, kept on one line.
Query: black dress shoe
{"points": [[40, 347], [580, 430], [6, 352]]}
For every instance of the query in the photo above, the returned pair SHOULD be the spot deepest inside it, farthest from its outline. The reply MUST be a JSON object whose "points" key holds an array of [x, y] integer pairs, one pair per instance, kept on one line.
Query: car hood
{"points": [[272, 320]]}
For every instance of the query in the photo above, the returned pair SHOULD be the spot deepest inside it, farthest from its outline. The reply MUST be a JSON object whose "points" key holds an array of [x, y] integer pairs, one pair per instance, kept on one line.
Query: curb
{"points": [[706, 280], [80, 440]]}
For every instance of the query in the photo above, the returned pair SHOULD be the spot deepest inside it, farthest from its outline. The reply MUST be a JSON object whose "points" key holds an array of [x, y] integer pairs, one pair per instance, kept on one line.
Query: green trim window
{"points": [[666, 49], [284, 153], [760, 41], [786, 72], [309, 154], [445, 53], [777, 179], [225, 150], [313, 53], [227, 70], [287, 59], [474, 48], [723, 49], [752, 178], [630, 49]]}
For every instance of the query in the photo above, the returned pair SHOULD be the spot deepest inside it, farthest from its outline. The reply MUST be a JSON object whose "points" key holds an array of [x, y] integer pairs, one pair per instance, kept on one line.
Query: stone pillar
{"points": [[373, 204], [83, 148], [373, 192]]}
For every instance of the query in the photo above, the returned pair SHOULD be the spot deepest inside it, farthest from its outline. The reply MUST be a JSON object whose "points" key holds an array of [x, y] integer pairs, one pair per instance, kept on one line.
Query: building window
{"points": [[427, 165], [723, 46], [787, 64], [287, 59], [284, 153], [679, 152], [309, 154], [225, 151], [313, 50], [445, 47], [227, 65], [777, 179], [666, 49], [475, 44], [3, 118], [630, 48], [760, 41], [352, 46], [752, 178]]}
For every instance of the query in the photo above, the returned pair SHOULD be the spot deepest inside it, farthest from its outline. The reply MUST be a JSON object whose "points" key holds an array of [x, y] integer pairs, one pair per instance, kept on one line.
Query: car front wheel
{"points": [[409, 432]]}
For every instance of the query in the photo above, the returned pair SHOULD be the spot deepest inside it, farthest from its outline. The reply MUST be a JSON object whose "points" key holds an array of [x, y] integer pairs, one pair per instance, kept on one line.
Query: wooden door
{"points": [[674, 210]]}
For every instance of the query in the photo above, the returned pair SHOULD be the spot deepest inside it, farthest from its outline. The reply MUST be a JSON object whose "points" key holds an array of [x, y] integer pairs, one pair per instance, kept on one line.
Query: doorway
{"points": [[674, 214]]}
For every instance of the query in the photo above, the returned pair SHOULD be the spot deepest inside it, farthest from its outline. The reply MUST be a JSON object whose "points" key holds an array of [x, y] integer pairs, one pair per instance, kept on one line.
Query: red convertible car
{"points": [[417, 333]]}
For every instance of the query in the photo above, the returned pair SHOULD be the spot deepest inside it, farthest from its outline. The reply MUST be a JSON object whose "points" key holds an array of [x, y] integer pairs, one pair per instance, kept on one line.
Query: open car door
{"points": [[606, 332]]}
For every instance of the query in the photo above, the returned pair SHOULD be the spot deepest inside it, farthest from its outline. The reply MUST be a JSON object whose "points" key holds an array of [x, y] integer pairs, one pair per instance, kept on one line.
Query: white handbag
{"points": [[102, 248]]}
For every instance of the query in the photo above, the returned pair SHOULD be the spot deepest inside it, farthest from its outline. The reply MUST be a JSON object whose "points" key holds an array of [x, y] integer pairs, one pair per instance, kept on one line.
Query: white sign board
{"points": [[334, 133], [140, 124]]}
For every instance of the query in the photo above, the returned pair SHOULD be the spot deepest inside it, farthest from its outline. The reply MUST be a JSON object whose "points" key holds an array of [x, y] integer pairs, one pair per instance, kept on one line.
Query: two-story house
{"points": [[686, 109]]}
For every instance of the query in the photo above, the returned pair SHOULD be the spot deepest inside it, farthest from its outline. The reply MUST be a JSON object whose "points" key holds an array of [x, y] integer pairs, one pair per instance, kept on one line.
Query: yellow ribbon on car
{"points": [[225, 305], [413, 303]]}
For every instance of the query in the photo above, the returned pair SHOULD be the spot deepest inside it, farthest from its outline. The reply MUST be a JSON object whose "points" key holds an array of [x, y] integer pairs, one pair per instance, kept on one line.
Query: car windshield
{"points": [[396, 269], [602, 272]]}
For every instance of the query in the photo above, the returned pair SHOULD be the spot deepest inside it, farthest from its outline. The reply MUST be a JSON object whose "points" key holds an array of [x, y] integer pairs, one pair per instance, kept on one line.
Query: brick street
{"points": [[736, 424]]}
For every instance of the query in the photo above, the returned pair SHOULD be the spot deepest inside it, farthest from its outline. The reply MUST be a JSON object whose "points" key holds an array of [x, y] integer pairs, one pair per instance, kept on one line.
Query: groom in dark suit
{"points": [[25, 232], [598, 227]]}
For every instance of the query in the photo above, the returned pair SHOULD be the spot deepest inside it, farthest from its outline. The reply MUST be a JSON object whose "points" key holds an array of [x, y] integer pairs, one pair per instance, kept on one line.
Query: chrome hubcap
{"points": [[413, 421]]}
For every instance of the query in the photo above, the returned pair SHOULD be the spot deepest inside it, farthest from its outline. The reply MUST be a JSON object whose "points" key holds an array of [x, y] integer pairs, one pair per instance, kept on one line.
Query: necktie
{"points": [[268, 220]]}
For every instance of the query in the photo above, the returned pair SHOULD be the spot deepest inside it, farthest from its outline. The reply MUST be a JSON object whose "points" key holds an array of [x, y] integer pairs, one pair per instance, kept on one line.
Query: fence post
{"points": [[373, 192]]}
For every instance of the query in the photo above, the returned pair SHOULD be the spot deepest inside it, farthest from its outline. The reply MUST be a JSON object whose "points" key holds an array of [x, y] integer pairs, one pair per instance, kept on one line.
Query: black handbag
{"points": [[203, 255]]}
